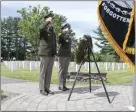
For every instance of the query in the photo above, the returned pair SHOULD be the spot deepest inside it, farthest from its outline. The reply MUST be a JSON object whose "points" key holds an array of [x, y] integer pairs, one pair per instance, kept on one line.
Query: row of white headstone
{"points": [[107, 66], [33, 65]]}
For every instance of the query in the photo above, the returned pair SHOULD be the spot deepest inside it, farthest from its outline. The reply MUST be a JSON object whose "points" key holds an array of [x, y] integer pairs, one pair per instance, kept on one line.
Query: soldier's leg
{"points": [[68, 59], [43, 69], [61, 61], [49, 73]]}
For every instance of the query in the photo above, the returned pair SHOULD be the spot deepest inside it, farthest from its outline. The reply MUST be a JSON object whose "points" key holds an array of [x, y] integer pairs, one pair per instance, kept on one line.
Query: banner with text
{"points": [[116, 20]]}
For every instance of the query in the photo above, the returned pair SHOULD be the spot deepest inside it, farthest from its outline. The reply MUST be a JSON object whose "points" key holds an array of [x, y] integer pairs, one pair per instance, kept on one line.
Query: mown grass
{"points": [[1, 91], [113, 77]]}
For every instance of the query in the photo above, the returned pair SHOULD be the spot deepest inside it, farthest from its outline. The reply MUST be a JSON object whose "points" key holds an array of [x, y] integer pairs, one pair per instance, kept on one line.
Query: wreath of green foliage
{"points": [[80, 49]]}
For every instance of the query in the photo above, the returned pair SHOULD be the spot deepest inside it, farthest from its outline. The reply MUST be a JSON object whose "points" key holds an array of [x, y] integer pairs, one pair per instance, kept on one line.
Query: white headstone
{"points": [[16, 64], [106, 66], [24, 64], [13, 66], [77, 67], [118, 66], [92, 64], [98, 63], [86, 65], [109, 65], [32, 65], [9, 64], [123, 65], [20, 63], [39, 63], [113, 66], [35, 64], [6, 63], [72, 64]]}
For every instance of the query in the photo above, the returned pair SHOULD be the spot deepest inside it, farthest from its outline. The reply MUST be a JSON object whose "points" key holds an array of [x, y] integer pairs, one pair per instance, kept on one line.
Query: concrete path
{"points": [[5, 80], [29, 98]]}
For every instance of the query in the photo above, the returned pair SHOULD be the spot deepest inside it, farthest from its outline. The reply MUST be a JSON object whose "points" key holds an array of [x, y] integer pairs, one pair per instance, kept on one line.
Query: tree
{"points": [[104, 44], [9, 37], [31, 18], [12, 44]]}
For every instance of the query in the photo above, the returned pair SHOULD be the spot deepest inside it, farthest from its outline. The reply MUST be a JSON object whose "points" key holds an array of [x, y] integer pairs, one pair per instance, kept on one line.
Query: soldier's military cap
{"points": [[65, 26], [50, 14]]}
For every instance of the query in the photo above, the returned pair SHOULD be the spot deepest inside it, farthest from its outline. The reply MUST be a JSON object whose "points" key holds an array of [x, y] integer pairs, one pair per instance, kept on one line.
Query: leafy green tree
{"points": [[31, 18], [10, 38], [12, 44], [29, 24], [103, 43]]}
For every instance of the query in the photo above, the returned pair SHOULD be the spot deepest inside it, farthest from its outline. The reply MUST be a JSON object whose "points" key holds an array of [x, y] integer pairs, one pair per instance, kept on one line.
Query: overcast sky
{"points": [[82, 15]]}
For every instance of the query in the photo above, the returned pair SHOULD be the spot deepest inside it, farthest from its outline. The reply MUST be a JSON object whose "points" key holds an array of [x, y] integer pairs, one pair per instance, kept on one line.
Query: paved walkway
{"points": [[29, 98], [5, 80]]}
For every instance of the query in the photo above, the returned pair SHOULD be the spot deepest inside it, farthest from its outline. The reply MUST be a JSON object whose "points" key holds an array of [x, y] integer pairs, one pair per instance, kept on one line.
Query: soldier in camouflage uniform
{"points": [[47, 52], [64, 56]]}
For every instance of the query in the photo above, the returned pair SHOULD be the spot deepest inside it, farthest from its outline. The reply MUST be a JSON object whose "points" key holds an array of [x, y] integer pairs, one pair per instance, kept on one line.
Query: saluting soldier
{"points": [[47, 52], [64, 56]]}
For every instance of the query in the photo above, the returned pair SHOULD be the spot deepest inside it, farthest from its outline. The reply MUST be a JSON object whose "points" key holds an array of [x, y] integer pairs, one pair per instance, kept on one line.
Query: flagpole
{"points": [[134, 93], [134, 78], [133, 106]]}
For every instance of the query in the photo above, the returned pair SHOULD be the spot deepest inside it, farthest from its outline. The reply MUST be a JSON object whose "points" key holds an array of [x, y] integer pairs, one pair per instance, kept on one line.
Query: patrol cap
{"points": [[65, 26], [50, 14]]}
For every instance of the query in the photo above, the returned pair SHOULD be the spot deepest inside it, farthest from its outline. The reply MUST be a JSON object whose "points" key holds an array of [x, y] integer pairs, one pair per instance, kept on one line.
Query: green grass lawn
{"points": [[26, 74], [1, 91], [113, 77]]}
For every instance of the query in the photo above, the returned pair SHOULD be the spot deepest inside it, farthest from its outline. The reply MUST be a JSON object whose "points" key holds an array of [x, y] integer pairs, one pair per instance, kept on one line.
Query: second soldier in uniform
{"points": [[64, 56]]}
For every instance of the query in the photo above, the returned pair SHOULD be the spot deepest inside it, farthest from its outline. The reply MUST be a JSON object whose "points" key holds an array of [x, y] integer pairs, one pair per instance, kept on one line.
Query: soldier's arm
{"points": [[61, 39], [44, 25]]}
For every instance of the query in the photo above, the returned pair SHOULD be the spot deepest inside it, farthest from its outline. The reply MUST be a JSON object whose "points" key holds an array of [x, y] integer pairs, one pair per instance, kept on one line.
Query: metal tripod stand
{"points": [[89, 52]]}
